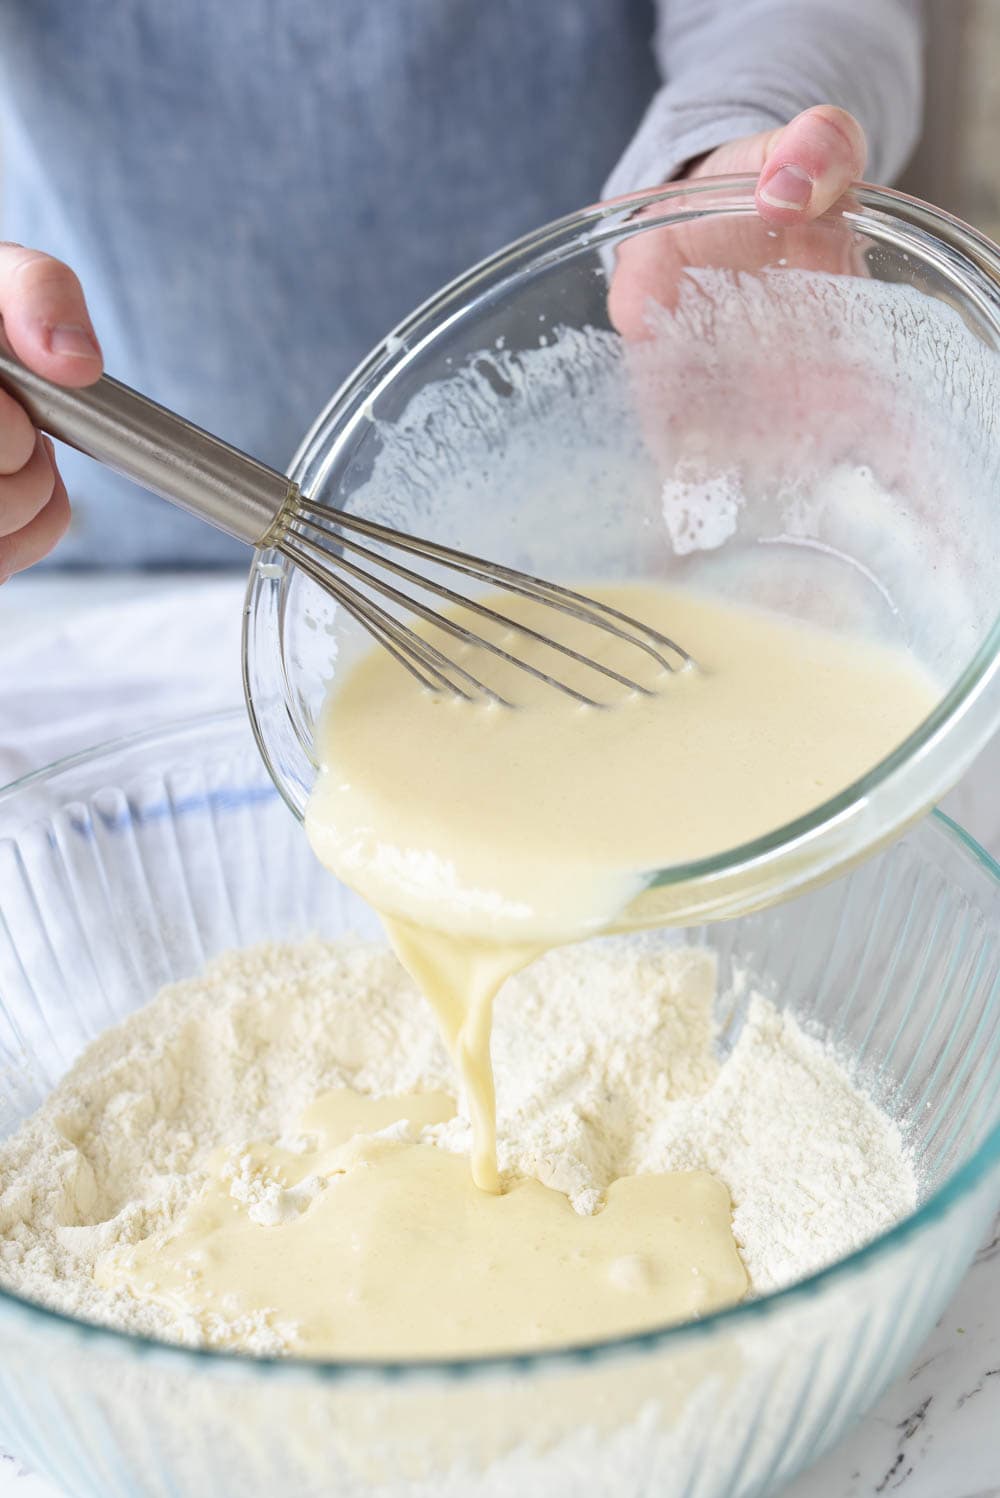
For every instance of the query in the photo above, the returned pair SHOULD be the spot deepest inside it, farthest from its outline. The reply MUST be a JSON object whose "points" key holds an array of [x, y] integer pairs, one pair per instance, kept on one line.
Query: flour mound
{"points": [[606, 1065]]}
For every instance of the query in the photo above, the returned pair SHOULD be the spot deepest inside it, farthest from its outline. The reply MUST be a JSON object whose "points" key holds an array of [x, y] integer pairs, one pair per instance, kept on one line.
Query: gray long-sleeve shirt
{"points": [[254, 193]]}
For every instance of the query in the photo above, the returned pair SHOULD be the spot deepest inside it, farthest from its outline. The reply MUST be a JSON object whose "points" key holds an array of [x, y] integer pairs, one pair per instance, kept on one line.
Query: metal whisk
{"points": [[162, 452]]}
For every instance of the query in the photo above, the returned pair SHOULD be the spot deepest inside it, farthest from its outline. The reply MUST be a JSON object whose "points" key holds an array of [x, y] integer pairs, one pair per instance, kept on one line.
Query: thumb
{"points": [[45, 317], [810, 163]]}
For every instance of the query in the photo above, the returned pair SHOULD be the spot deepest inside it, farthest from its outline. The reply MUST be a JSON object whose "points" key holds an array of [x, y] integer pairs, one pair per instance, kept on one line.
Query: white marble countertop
{"points": [[936, 1433]]}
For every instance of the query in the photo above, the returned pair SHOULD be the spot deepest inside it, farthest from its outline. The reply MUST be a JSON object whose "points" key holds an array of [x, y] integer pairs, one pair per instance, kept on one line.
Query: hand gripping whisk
{"points": [[162, 452]]}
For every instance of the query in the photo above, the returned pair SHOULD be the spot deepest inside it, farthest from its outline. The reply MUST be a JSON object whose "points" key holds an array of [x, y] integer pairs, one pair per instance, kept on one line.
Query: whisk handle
{"points": [[155, 448]]}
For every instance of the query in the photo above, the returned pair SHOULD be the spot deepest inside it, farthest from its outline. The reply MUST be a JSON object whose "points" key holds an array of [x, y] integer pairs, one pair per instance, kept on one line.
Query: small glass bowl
{"points": [[802, 418]]}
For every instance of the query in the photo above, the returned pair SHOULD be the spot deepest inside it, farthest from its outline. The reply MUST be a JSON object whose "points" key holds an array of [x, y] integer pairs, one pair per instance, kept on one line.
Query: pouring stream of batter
{"points": [[484, 835]]}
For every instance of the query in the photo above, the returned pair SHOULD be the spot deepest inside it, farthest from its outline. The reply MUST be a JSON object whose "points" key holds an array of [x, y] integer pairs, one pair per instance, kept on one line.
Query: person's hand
{"points": [[47, 325], [802, 169], [711, 394]]}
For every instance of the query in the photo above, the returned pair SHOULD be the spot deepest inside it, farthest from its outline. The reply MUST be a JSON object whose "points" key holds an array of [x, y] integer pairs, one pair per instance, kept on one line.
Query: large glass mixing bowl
{"points": [[800, 418], [129, 867]]}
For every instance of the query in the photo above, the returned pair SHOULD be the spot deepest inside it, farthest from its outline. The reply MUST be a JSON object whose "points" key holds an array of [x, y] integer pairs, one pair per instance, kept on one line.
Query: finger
{"points": [[643, 277], [810, 164], [35, 540], [25, 493], [45, 317], [17, 435]]}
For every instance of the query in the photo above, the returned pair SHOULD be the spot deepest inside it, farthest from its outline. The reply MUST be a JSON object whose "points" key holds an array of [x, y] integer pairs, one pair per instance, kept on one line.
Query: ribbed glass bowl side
{"points": [[128, 868]]}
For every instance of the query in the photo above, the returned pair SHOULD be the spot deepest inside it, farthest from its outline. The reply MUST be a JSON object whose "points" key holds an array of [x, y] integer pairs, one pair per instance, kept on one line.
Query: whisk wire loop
{"points": [[316, 537], [442, 621], [429, 666]]}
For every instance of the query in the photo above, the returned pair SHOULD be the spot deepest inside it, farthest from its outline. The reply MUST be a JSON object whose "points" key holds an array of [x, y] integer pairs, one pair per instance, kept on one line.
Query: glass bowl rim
{"points": [[550, 1360], [559, 240]]}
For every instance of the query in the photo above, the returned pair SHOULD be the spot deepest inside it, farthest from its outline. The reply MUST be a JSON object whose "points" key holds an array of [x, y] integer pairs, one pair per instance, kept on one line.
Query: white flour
{"points": [[605, 1066]]}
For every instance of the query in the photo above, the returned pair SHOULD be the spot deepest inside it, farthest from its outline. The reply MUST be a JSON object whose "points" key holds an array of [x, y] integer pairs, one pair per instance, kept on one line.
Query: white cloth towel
{"points": [[86, 660]]}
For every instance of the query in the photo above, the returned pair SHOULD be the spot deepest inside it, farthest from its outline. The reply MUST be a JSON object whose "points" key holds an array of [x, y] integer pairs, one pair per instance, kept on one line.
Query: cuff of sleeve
{"points": [[670, 136]]}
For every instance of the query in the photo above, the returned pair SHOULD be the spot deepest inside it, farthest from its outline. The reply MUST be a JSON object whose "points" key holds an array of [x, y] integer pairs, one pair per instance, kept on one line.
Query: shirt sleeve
{"points": [[736, 67]]}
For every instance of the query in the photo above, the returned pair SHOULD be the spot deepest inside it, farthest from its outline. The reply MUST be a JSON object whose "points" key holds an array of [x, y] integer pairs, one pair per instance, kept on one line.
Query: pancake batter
{"points": [[336, 1238], [484, 835]]}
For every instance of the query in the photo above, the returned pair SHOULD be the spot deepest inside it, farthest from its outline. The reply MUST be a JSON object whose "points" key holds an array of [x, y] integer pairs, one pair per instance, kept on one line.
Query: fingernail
{"points": [[72, 339], [790, 187]]}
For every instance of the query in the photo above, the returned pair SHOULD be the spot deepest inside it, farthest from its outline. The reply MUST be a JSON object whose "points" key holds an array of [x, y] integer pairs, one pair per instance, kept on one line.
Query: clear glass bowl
{"points": [[803, 418], [128, 867]]}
